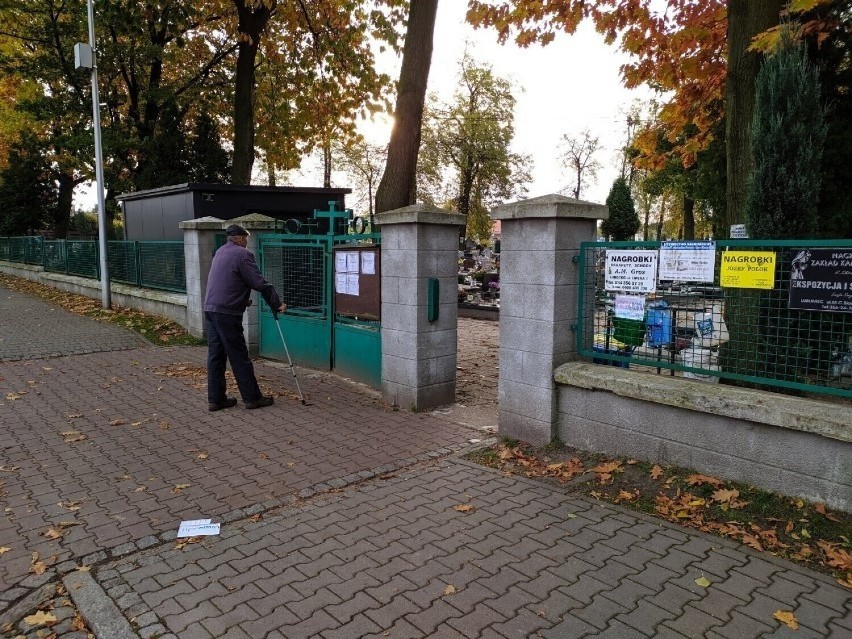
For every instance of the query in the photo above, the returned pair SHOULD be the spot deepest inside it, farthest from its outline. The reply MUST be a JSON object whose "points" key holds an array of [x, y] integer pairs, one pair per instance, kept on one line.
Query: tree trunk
{"points": [[270, 173], [688, 218], [746, 19], [252, 21], [326, 162], [64, 200], [398, 185]]}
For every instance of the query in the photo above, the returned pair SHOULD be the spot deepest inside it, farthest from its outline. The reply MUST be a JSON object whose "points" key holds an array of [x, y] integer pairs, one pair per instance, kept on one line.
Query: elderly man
{"points": [[233, 275]]}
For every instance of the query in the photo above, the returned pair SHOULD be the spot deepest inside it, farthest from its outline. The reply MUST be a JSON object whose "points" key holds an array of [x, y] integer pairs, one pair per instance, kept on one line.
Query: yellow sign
{"points": [[747, 269]]}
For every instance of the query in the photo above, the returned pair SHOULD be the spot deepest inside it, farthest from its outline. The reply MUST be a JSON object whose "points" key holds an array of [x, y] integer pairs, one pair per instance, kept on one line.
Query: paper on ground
{"points": [[197, 527]]}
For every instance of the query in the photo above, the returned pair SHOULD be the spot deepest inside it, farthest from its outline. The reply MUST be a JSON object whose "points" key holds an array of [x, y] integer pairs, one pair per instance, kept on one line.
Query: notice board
{"points": [[358, 281]]}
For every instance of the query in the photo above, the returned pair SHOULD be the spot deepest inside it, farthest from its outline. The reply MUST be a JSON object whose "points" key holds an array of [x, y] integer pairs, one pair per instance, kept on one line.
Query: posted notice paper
{"points": [[368, 263]]}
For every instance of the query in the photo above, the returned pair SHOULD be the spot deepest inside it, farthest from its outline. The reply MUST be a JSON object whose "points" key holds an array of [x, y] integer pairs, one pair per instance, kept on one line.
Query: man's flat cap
{"points": [[236, 229]]}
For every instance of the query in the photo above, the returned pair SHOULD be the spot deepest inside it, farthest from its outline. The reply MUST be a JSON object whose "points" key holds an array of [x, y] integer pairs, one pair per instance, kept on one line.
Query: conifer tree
{"points": [[787, 136], [623, 221], [208, 161]]}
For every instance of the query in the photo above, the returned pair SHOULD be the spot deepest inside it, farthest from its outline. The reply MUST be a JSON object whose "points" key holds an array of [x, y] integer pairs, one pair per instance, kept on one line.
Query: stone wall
{"points": [[788, 445]]}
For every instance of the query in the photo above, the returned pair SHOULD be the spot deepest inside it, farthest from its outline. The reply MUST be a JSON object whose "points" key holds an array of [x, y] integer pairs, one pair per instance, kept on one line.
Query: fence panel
{"points": [[161, 266], [122, 263], [54, 256], [82, 258], [776, 313]]}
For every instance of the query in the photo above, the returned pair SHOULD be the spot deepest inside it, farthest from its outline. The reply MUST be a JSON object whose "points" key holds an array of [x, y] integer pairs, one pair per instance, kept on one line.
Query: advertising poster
{"points": [[631, 271], [630, 307], [687, 261], [747, 269], [821, 280]]}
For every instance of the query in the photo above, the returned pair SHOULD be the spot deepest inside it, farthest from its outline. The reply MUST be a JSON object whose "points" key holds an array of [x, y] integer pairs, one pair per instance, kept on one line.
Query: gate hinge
{"points": [[575, 259], [574, 328]]}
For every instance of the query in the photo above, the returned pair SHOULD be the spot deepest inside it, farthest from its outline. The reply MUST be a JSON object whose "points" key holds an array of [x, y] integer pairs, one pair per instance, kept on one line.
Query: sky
{"points": [[570, 85]]}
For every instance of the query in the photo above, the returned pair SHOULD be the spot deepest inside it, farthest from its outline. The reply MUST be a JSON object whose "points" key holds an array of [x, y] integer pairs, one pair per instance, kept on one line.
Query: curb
{"points": [[101, 614]]}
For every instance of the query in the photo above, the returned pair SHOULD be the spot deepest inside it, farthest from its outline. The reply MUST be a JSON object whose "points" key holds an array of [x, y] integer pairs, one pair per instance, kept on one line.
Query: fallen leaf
{"points": [[179, 487], [786, 617], [203, 456], [256, 517], [703, 582], [78, 625], [836, 557], [656, 472], [118, 422], [74, 415], [698, 480], [725, 495], [9, 469], [72, 436], [41, 619], [4, 549], [53, 532], [37, 567], [607, 467], [846, 583], [141, 489], [464, 508], [820, 508], [71, 505], [12, 396], [805, 533], [84, 568], [450, 590]]}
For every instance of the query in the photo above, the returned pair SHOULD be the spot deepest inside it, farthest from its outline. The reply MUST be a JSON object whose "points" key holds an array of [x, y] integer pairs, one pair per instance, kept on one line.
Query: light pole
{"points": [[85, 57]]}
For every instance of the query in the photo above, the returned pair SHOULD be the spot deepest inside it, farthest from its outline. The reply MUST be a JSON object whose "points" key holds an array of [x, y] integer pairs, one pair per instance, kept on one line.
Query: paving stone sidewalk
{"points": [[395, 557], [339, 518]]}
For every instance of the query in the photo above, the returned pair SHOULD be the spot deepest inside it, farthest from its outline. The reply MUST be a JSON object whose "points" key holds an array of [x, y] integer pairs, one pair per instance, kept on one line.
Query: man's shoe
{"points": [[229, 402], [265, 400]]}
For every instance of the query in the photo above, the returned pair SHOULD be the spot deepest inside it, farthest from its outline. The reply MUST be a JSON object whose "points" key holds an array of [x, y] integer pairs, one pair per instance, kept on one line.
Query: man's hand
{"points": [[282, 308]]}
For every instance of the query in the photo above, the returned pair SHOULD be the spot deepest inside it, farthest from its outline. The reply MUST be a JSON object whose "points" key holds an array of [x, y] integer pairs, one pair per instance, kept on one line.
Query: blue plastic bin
{"points": [[659, 320]]}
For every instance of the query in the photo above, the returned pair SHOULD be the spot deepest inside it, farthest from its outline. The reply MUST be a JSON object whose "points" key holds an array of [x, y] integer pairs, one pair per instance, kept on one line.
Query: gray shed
{"points": [[154, 214]]}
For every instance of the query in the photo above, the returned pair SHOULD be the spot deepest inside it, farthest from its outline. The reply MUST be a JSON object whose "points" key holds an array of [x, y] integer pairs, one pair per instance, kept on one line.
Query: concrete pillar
{"points": [[419, 242], [539, 288], [199, 246]]}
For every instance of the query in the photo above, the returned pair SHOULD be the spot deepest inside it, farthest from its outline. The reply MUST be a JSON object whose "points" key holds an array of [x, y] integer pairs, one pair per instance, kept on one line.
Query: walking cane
{"points": [[292, 368]]}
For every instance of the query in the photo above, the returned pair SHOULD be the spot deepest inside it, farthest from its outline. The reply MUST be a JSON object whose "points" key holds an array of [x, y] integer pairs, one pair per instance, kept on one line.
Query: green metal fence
{"points": [[156, 265], [775, 313]]}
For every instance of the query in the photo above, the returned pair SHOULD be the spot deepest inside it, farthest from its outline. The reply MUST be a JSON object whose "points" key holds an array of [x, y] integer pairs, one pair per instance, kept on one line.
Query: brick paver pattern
{"points": [[107, 445], [394, 558], [111, 447]]}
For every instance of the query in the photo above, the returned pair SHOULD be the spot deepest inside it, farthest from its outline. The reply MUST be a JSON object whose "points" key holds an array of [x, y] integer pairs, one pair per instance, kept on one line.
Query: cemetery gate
{"points": [[331, 283]]}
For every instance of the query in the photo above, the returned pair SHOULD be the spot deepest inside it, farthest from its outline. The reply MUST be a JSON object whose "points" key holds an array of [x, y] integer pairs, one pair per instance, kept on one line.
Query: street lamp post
{"points": [[86, 58]]}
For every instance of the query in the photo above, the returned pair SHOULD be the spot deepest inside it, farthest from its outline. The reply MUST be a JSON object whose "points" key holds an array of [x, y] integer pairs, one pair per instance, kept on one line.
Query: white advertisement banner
{"points": [[631, 271]]}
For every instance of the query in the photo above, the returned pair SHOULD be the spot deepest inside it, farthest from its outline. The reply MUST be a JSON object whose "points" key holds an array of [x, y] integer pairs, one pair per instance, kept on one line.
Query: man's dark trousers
{"points": [[225, 342]]}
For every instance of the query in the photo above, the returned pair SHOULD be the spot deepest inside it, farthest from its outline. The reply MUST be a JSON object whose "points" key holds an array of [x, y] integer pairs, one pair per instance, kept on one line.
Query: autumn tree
{"points": [[302, 66], [467, 144], [363, 163], [398, 185], [687, 50], [579, 159]]}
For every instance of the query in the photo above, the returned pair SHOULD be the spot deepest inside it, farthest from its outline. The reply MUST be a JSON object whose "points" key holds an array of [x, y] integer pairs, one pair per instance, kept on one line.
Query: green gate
{"points": [[323, 330]]}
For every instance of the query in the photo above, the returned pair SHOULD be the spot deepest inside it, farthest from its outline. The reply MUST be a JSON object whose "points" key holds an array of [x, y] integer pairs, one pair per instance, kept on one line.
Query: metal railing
{"points": [[773, 313], [150, 264]]}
